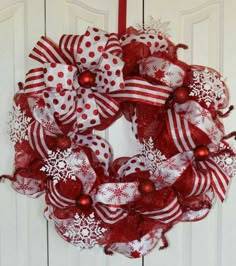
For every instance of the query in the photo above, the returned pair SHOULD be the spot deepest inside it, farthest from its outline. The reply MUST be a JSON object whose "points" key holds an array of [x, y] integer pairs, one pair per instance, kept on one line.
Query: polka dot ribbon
{"points": [[56, 82]]}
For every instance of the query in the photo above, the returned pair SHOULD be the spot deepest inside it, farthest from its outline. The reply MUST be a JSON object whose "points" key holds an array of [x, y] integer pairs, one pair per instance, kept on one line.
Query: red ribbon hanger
{"points": [[122, 16]]}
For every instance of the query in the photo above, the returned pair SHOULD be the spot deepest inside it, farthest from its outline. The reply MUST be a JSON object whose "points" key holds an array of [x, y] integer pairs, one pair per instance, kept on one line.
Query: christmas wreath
{"points": [[84, 84]]}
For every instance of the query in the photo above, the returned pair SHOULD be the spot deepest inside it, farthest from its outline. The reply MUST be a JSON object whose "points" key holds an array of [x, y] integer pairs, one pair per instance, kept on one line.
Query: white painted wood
{"points": [[207, 27], [22, 223]]}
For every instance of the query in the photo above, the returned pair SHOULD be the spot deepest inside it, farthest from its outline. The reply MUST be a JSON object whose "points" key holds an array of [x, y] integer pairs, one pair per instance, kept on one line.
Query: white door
{"points": [[207, 27], [23, 228]]}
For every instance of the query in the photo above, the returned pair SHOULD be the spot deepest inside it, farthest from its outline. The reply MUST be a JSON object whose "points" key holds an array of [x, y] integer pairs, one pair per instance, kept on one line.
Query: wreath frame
{"points": [[87, 82]]}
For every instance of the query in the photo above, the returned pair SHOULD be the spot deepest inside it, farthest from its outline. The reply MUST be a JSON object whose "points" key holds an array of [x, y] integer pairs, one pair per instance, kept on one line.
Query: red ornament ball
{"points": [[201, 153], [146, 186], [86, 79], [63, 142], [181, 95], [84, 202]]}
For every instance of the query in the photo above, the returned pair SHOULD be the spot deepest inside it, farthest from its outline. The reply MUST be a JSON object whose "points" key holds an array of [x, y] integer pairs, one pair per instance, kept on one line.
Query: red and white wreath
{"points": [[175, 109]]}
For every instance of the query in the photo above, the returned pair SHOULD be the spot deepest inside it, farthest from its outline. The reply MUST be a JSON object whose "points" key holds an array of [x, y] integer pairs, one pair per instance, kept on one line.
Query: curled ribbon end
{"points": [[108, 251], [20, 85], [165, 243], [226, 114], [230, 135], [179, 45], [3, 177]]}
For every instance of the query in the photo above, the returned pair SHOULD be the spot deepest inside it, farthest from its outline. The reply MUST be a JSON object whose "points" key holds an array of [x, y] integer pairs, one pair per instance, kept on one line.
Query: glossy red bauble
{"points": [[181, 95], [84, 202], [86, 79], [201, 153], [63, 142], [146, 186]]}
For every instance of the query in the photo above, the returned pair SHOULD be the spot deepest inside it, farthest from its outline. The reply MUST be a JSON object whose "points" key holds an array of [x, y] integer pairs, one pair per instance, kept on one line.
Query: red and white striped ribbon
{"points": [[139, 90], [107, 106], [69, 45], [34, 81], [181, 135], [113, 45], [56, 198], [219, 179], [36, 136], [45, 51], [168, 214], [110, 214], [202, 181], [179, 131], [200, 117]]}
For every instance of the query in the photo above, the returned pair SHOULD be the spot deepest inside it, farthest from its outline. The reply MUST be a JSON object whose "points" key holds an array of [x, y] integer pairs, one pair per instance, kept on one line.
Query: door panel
{"points": [[22, 226], [206, 27]]}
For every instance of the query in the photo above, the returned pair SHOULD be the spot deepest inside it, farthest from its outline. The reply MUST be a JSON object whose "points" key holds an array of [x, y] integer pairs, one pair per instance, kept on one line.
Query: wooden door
{"points": [[207, 28], [23, 235]]}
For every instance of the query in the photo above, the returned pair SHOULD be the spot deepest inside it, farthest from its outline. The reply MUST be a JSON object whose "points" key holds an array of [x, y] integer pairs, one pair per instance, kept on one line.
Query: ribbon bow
{"points": [[71, 86], [192, 129]]}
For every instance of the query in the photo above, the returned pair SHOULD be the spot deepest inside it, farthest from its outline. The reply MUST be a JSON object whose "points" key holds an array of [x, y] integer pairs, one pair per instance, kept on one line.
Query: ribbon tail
{"points": [[139, 90], [46, 51], [219, 179]]}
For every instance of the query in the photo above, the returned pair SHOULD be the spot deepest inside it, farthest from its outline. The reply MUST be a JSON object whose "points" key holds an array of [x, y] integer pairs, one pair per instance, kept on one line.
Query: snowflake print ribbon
{"points": [[170, 170], [25, 183], [200, 117], [117, 193], [163, 70], [111, 198], [138, 248], [158, 78]]}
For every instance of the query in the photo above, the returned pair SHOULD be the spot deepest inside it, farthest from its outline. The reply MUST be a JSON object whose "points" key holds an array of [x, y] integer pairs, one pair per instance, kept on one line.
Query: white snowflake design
{"points": [[57, 166], [207, 86], [227, 162], [156, 26], [84, 231], [152, 158], [18, 124]]}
